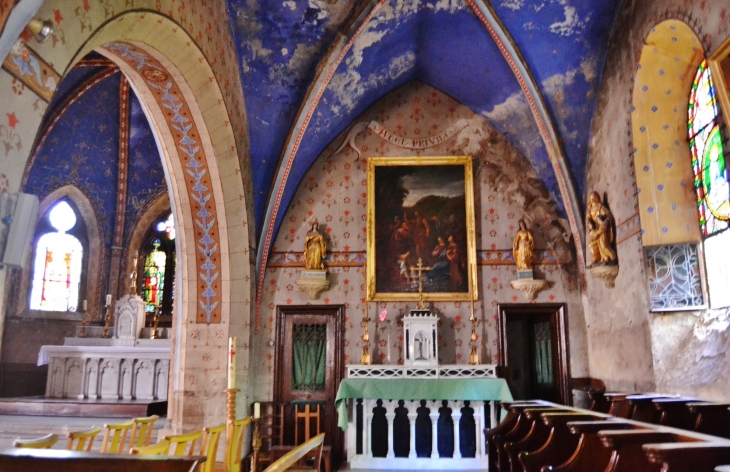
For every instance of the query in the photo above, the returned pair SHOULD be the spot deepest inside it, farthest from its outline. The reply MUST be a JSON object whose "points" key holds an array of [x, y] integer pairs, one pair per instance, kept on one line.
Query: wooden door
{"points": [[317, 320], [534, 354]]}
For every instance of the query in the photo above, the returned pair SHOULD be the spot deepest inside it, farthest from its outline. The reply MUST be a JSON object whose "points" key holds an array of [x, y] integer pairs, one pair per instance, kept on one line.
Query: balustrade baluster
{"points": [[456, 417], [390, 416], [412, 421], [434, 429], [367, 430]]}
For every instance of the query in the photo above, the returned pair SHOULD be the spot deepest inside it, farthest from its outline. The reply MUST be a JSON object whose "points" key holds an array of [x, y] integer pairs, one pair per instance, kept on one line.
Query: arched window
{"points": [[708, 159], [158, 271], [710, 183], [58, 263]]}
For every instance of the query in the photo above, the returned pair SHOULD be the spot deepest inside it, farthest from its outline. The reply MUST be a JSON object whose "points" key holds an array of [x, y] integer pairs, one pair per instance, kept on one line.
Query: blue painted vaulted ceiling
{"points": [[439, 42]]}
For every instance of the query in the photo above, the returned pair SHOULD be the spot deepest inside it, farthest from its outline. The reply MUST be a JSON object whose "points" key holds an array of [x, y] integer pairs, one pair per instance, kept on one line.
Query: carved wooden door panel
{"points": [[309, 367]]}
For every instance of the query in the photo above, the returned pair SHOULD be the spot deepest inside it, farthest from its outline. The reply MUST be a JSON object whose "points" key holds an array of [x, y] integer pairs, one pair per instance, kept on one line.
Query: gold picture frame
{"points": [[416, 209]]}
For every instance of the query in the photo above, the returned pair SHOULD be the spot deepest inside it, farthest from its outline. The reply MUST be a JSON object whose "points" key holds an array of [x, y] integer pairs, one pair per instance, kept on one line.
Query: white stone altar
{"points": [[128, 365]]}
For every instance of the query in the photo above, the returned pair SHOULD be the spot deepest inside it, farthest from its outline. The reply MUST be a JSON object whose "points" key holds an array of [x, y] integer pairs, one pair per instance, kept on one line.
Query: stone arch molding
{"points": [[201, 158]]}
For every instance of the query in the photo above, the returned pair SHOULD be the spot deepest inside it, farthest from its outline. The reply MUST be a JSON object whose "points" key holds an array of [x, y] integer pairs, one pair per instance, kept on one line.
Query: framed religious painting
{"points": [[420, 229]]}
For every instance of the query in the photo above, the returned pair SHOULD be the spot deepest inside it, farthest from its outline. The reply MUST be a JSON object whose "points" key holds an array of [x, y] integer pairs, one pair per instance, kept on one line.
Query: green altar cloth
{"points": [[419, 389]]}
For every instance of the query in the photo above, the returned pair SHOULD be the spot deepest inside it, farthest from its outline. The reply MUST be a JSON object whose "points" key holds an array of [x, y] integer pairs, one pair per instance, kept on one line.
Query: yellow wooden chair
{"points": [[234, 446], [162, 448], [46, 442], [288, 460], [184, 444], [82, 440], [142, 430], [209, 446], [115, 437]]}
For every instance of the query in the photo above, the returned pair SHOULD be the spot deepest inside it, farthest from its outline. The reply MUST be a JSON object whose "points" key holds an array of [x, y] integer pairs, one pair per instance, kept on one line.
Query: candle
{"points": [[108, 299], [257, 410], [232, 362], [85, 306]]}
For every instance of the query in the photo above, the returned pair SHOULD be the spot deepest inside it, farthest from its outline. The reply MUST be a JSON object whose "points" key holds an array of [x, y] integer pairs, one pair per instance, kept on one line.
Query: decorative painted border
{"points": [[491, 257], [27, 66], [630, 227], [332, 61], [513, 57], [194, 161], [123, 161]]}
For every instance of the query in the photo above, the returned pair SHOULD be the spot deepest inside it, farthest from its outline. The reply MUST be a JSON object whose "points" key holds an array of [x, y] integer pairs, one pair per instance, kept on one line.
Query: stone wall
{"points": [[334, 191], [630, 348]]}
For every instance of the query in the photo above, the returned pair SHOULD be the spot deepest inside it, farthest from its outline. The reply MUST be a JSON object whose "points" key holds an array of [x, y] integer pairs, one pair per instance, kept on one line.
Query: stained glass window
{"points": [[57, 266], [154, 276], [708, 159], [159, 267], [674, 277]]}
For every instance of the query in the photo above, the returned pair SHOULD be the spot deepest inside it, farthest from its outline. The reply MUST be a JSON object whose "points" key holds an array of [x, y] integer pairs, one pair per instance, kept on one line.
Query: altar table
{"points": [[419, 389], [443, 401]]}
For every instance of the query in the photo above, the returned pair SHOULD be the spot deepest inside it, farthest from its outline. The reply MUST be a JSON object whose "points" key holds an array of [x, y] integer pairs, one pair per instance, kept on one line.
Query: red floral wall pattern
{"points": [[334, 191]]}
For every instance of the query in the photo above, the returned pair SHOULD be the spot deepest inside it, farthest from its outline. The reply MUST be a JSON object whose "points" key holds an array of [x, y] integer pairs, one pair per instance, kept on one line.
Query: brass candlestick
{"points": [[82, 334], [474, 352], [133, 276], [365, 357], [156, 321], [230, 418], [256, 445], [107, 319]]}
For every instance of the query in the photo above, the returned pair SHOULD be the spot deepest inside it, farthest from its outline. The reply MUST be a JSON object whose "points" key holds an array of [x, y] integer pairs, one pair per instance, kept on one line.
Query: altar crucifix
{"points": [[420, 269]]}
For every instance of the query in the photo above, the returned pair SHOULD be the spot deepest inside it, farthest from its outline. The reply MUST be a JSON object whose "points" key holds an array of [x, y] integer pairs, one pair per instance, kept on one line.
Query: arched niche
{"points": [[662, 160]]}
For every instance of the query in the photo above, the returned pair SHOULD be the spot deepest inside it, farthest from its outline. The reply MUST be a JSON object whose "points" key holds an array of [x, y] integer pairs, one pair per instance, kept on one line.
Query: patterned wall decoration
{"points": [[334, 191], [27, 66], [662, 160], [195, 162]]}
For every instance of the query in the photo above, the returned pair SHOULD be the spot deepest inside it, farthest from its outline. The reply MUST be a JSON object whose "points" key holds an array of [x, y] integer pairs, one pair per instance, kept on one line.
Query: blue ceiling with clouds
{"points": [[439, 42]]}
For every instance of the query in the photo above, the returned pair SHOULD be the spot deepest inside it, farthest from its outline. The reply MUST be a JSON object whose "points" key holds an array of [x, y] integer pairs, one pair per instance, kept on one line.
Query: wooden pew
{"points": [[712, 418], [504, 427], [519, 430], [589, 455], [695, 457], [673, 412], [599, 401], [536, 436], [71, 461], [560, 443], [620, 406], [627, 454], [643, 409]]}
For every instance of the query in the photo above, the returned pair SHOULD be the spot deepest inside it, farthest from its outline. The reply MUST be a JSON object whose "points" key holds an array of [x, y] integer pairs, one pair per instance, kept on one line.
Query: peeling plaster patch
{"points": [[449, 5], [589, 69], [555, 87], [570, 25], [710, 321], [348, 87], [513, 117], [513, 4]]}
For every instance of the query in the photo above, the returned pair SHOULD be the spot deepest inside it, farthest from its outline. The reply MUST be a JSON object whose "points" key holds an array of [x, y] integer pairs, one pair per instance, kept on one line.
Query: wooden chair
{"points": [[286, 462], [234, 446], [115, 437], [46, 442], [181, 443], [162, 448], [209, 446], [78, 440], [142, 430], [312, 413], [271, 429]]}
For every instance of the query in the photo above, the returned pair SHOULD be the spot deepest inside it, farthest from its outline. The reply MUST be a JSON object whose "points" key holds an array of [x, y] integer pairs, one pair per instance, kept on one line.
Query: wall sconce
{"points": [[40, 29]]}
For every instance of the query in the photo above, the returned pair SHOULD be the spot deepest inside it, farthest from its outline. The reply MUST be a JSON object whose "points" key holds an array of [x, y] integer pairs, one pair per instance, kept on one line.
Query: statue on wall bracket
{"points": [[314, 275], [603, 261], [523, 247]]}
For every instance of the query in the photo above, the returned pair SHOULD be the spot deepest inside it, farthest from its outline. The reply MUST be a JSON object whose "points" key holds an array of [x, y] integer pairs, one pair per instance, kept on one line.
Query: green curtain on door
{"points": [[309, 344]]}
